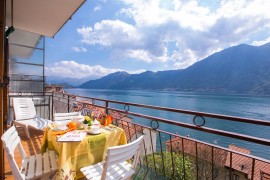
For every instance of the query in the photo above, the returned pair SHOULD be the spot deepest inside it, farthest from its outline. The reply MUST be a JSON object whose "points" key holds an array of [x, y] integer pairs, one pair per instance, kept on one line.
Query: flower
{"points": [[86, 119]]}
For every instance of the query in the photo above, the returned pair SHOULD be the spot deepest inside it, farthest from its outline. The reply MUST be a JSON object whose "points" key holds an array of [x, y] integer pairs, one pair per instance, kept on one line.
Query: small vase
{"points": [[102, 121], [85, 126]]}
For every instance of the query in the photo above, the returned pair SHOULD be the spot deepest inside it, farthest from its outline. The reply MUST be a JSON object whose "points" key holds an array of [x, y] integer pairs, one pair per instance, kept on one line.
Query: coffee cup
{"points": [[95, 129]]}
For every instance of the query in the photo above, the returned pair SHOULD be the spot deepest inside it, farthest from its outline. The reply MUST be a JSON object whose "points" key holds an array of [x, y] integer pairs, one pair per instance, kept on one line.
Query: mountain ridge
{"points": [[243, 68]]}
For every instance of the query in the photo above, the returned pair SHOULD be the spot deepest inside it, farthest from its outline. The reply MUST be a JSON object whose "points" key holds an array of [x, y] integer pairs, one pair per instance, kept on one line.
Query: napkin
{"points": [[62, 132]]}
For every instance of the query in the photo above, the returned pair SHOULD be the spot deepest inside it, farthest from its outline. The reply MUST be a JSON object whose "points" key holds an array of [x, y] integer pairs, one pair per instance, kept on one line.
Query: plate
{"points": [[60, 128], [92, 132]]}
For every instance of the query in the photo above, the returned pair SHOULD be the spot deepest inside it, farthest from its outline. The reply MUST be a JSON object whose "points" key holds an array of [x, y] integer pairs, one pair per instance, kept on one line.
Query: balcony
{"points": [[169, 152], [179, 144]]}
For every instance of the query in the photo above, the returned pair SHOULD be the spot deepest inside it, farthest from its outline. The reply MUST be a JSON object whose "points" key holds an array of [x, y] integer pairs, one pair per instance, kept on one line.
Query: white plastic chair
{"points": [[115, 165], [66, 117], [37, 166], [25, 115]]}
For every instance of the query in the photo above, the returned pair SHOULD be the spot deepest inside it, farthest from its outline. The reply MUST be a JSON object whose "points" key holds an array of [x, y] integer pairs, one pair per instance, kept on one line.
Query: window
{"points": [[215, 172], [227, 176], [235, 177]]}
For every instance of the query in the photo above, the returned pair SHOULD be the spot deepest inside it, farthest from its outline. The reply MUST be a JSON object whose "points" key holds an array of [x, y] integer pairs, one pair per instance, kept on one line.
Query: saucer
{"points": [[93, 132], [60, 127]]}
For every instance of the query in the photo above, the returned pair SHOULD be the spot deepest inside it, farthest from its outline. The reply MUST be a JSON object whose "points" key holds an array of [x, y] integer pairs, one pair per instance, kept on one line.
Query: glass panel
{"points": [[20, 77], [26, 39], [25, 54], [26, 86], [41, 42], [26, 47], [25, 69]]}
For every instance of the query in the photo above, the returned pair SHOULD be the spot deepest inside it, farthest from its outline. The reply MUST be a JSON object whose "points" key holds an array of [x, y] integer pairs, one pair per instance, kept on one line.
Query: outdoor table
{"points": [[75, 155]]}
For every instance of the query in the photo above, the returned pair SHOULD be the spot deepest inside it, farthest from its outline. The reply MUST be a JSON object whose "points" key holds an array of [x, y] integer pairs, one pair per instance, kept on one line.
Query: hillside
{"points": [[65, 80], [240, 69]]}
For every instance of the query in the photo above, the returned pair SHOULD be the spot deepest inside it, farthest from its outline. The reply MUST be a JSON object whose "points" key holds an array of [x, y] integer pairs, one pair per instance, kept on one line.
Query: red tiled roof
{"points": [[129, 129], [123, 121], [265, 176], [244, 164], [239, 162], [203, 151], [118, 115]]}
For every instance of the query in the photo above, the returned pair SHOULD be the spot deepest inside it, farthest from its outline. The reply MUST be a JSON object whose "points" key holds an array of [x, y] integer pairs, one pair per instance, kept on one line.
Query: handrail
{"points": [[205, 143], [244, 137], [196, 113], [204, 129]]}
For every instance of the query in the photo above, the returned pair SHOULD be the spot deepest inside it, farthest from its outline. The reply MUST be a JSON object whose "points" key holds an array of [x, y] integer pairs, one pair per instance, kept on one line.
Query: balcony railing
{"points": [[178, 143]]}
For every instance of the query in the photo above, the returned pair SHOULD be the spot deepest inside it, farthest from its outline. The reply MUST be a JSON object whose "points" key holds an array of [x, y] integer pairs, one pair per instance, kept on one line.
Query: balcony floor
{"points": [[31, 147]]}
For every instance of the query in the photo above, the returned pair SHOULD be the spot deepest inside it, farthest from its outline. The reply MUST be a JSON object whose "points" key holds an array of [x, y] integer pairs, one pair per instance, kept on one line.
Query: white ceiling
{"points": [[44, 17]]}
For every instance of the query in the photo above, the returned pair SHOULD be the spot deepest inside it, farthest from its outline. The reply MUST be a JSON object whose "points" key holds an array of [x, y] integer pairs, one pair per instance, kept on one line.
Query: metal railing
{"points": [[170, 154]]}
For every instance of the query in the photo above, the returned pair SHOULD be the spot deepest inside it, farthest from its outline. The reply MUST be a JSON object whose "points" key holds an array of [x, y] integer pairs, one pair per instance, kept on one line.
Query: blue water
{"points": [[248, 106]]}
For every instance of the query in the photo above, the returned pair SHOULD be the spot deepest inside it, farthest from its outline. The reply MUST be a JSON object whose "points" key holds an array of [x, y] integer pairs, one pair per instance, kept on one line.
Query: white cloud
{"points": [[180, 59], [85, 32], [73, 69], [97, 8], [109, 33], [125, 40], [79, 49], [259, 43], [195, 30]]}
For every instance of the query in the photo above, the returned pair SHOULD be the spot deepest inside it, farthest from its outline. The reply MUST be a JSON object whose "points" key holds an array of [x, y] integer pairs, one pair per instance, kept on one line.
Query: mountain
{"points": [[238, 69], [64, 80], [241, 68], [110, 81]]}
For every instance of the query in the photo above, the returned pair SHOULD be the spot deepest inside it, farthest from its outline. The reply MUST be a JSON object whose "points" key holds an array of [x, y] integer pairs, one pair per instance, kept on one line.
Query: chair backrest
{"points": [[122, 153], [24, 108], [11, 141], [67, 116]]}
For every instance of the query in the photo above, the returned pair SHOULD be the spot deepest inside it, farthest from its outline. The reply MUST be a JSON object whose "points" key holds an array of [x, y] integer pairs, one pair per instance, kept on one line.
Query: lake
{"points": [[248, 106]]}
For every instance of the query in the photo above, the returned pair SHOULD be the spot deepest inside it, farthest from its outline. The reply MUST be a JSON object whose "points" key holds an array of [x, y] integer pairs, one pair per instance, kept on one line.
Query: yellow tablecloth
{"points": [[75, 155]]}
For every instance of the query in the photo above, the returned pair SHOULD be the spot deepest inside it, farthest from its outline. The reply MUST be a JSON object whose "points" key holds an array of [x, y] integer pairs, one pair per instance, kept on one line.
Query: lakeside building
{"points": [[54, 88], [241, 165]]}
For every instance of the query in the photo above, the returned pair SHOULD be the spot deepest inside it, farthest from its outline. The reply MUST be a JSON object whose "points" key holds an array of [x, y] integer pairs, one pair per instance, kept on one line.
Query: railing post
{"points": [[183, 150], [253, 167], [68, 103], [162, 157], [171, 147], [52, 111], [212, 161], [49, 108], [107, 105], [153, 150], [197, 161], [230, 166]]}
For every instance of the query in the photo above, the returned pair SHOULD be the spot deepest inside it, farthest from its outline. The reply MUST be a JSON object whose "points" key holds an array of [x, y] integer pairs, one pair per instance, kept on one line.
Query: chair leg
{"points": [[53, 175], [27, 132], [49, 176]]}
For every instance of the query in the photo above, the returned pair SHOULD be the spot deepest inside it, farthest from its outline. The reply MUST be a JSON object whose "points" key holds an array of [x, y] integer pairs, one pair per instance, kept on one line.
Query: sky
{"points": [[106, 36]]}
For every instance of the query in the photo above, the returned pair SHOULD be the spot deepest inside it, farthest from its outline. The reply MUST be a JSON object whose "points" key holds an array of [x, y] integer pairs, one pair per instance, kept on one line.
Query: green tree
{"points": [[173, 169]]}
